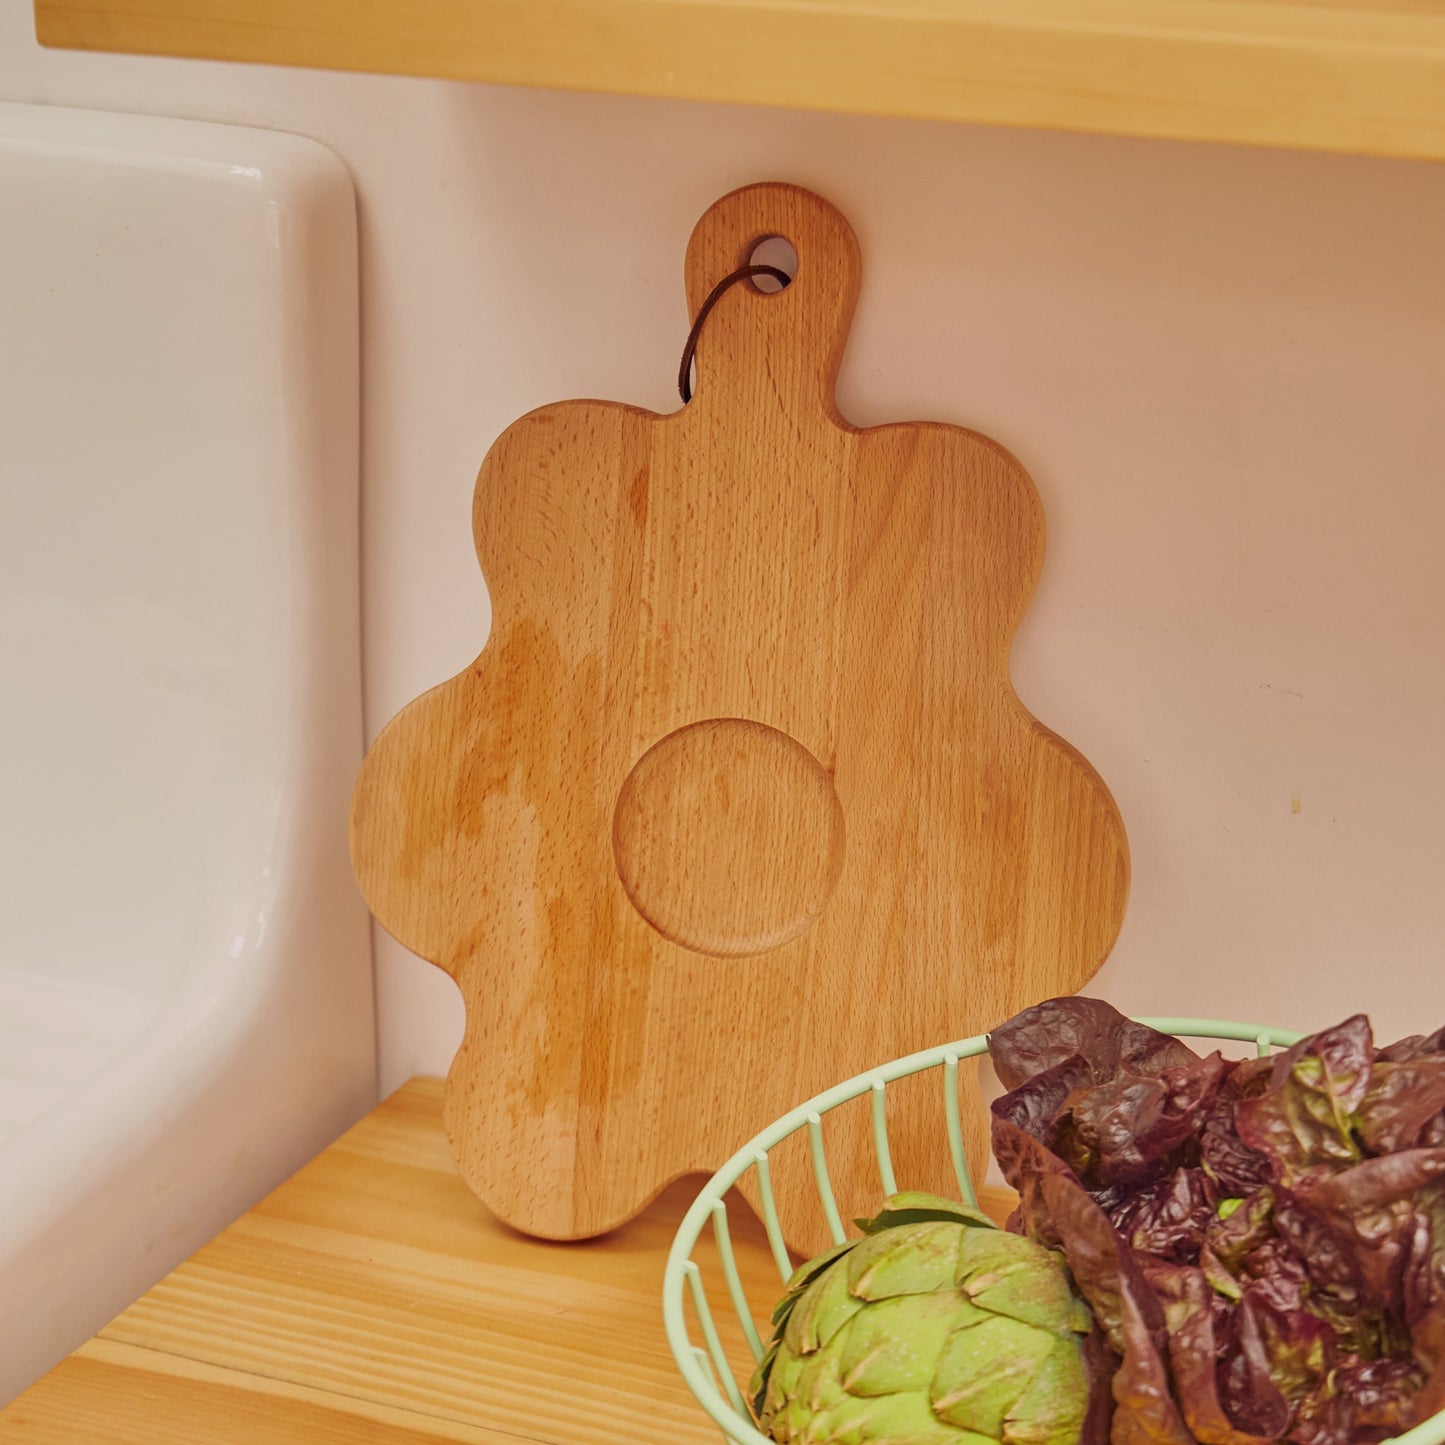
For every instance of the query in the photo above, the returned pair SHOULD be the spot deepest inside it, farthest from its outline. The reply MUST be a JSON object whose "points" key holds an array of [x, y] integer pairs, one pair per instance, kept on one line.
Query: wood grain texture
{"points": [[738, 801], [372, 1299], [123, 1395], [1364, 76], [702, 824]]}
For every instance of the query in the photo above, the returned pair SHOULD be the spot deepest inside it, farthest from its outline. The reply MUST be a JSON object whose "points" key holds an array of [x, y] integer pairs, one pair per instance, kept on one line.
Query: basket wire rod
{"points": [[825, 1184], [705, 1365], [955, 1130], [1221, 1029], [880, 1138], [1427, 1432], [714, 1344], [734, 1280], [770, 1217], [703, 1381]]}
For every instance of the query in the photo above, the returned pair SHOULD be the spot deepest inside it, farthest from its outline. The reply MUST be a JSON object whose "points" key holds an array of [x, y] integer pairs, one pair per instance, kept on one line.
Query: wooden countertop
{"points": [[371, 1298]]}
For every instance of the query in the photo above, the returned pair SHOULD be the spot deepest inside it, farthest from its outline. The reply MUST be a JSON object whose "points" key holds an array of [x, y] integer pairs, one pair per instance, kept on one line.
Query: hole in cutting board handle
{"points": [[749, 271], [772, 251]]}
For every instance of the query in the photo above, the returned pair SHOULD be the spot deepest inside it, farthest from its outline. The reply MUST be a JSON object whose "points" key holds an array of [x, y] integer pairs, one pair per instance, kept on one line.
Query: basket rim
{"points": [[690, 1359]]}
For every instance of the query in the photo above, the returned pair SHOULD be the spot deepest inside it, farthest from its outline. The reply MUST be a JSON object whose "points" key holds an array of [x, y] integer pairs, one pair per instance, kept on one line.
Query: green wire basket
{"points": [[705, 1366]]}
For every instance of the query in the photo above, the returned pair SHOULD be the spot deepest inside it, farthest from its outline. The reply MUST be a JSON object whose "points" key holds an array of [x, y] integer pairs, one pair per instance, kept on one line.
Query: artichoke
{"points": [[935, 1328]]}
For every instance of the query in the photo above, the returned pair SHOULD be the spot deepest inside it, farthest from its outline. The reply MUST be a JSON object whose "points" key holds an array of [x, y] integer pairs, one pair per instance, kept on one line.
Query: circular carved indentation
{"points": [[728, 837]]}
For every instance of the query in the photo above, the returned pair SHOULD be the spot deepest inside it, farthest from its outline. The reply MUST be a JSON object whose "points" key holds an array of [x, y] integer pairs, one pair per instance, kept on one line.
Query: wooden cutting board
{"points": [[738, 800]]}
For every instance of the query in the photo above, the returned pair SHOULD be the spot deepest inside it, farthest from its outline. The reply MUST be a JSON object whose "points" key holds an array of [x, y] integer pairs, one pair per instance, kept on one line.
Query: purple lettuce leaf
{"points": [[1128, 1311], [1053, 1031], [1249, 1078], [1430, 1340], [1169, 1218], [1036, 1104], [1100, 1366], [1243, 1227], [1423, 1276], [1371, 1213], [1117, 1108], [1431, 1399], [1414, 1047], [1131, 1125], [1025, 1162], [1027, 1165], [1055, 1210], [1226, 1158], [1361, 1404], [1331, 1264], [1242, 1251], [1299, 1346], [1276, 1275], [1222, 1279], [1427, 1340], [1189, 1310], [1144, 1409], [1247, 1390], [1303, 1120], [1108, 1273], [1402, 1099]]}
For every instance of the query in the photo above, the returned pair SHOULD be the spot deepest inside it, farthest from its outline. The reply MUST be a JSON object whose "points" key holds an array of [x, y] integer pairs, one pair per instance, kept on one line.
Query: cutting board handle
{"points": [[802, 329]]}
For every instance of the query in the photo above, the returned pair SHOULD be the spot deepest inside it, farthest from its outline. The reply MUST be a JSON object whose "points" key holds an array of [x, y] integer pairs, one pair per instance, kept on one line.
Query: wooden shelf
{"points": [[1340, 75], [372, 1298]]}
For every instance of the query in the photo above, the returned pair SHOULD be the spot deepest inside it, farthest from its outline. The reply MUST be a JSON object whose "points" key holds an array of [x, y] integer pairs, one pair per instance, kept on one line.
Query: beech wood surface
{"points": [[1365, 76], [371, 1300], [738, 800]]}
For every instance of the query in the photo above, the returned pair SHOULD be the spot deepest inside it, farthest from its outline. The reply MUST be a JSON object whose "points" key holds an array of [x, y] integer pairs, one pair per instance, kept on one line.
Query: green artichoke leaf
{"points": [[1051, 1407], [781, 1383], [818, 1388], [895, 1344], [762, 1376], [797, 1286], [903, 1419], [908, 1417], [1011, 1275], [912, 1260], [914, 1207], [825, 1307], [982, 1370], [799, 1281], [805, 1274]]}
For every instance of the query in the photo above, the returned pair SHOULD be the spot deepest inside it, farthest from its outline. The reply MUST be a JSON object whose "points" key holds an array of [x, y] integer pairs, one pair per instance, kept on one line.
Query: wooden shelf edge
{"points": [[1337, 75]]}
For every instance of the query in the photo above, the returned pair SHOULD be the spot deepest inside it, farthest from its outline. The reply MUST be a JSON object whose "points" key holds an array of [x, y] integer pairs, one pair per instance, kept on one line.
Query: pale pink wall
{"points": [[1221, 366]]}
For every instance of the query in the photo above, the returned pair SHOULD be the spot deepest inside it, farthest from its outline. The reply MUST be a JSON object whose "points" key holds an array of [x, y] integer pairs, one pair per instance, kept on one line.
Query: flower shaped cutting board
{"points": [[738, 799]]}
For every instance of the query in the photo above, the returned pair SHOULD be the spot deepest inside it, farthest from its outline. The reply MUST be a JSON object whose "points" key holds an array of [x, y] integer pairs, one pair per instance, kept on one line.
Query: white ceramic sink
{"points": [[185, 984]]}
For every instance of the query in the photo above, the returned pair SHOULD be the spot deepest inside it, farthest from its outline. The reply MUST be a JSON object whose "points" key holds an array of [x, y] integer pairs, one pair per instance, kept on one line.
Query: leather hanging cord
{"points": [[684, 375]]}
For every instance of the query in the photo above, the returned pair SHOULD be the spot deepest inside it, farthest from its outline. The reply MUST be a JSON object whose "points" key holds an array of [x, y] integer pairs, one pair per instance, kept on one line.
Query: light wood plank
{"points": [[372, 1299], [127, 1396], [375, 1275], [1321, 74]]}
